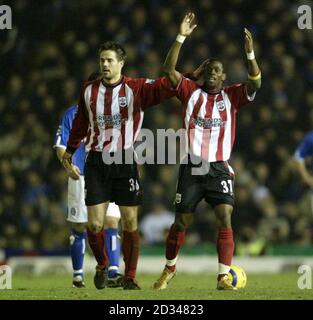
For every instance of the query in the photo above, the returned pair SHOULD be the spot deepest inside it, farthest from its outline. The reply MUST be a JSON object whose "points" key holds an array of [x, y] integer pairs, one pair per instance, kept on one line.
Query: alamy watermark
{"points": [[305, 20], [5, 277], [161, 148], [305, 280], [5, 17]]}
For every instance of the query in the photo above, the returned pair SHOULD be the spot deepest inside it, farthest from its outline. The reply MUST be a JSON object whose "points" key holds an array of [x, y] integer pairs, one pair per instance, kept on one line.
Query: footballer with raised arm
{"points": [[110, 114], [209, 116]]}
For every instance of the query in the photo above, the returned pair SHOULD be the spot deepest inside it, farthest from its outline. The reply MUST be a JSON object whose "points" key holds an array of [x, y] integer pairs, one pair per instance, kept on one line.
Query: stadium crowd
{"points": [[51, 51]]}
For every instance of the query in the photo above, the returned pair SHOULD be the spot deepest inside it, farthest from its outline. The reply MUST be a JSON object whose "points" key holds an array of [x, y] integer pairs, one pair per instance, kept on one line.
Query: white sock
{"points": [[172, 262], [223, 269]]}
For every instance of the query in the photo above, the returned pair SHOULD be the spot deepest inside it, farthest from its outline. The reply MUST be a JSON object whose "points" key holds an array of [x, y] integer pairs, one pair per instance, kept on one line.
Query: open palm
{"points": [[248, 41], [187, 26]]}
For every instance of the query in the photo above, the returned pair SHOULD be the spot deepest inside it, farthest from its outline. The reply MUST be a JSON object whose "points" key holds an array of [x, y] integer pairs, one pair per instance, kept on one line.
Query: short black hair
{"points": [[214, 60], [114, 46], [211, 60]]}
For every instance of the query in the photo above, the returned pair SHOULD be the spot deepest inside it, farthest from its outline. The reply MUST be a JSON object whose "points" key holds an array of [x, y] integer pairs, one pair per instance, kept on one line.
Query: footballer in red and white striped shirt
{"points": [[209, 113], [209, 117], [110, 114]]}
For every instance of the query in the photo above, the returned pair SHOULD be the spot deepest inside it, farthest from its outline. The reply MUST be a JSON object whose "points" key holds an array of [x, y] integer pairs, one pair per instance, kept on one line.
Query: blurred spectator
{"points": [[155, 224]]}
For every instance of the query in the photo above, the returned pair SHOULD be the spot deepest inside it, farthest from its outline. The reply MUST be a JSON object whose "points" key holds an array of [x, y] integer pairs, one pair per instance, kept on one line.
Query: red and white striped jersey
{"points": [[111, 116], [209, 120]]}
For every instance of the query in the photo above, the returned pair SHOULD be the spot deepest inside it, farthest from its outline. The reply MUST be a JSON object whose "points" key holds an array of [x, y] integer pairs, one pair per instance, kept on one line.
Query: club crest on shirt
{"points": [[178, 198], [220, 105], [122, 102], [74, 211]]}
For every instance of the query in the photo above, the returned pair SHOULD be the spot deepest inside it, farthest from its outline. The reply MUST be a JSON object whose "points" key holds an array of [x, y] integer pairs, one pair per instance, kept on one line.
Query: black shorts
{"points": [[216, 187], [117, 183]]}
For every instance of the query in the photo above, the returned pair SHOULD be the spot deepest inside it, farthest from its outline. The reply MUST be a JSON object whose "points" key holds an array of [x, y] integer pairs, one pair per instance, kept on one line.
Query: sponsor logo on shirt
{"points": [[208, 123], [109, 121]]}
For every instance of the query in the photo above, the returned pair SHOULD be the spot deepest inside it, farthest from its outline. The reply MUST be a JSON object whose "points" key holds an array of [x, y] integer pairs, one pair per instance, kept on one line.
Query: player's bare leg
{"points": [[174, 241], [77, 249], [130, 245], [225, 245], [96, 239]]}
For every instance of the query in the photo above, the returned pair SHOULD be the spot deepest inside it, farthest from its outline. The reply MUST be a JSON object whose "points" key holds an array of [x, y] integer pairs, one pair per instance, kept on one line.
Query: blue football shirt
{"points": [[62, 136], [305, 148]]}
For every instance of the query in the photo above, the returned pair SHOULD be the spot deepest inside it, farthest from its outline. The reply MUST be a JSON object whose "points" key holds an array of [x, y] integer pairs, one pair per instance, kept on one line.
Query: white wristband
{"points": [[180, 38], [250, 55]]}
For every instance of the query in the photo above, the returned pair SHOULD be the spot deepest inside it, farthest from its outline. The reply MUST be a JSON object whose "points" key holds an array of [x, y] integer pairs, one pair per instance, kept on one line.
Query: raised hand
{"points": [[186, 27], [254, 73], [248, 41], [198, 73]]}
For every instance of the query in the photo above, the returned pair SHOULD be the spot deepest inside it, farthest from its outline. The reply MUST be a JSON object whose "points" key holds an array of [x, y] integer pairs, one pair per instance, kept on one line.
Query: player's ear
{"points": [[122, 62], [224, 76]]}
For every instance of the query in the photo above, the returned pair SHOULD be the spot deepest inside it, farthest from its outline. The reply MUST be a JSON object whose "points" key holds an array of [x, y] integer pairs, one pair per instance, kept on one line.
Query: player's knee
{"points": [[183, 221], [130, 224], [95, 227], [223, 211], [111, 222], [224, 219]]}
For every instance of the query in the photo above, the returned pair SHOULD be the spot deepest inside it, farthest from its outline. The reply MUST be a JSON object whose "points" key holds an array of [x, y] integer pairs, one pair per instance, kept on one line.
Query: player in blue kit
{"points": [[303, 151], [77, 211]]}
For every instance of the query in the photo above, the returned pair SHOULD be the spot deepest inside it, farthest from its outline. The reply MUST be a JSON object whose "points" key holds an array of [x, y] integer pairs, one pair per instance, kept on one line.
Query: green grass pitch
{"points": [[182, 287]]}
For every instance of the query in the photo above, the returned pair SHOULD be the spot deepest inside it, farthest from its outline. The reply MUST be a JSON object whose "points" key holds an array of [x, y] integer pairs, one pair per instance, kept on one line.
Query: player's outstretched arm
{"points": [[254, 72], [169, 67]]}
